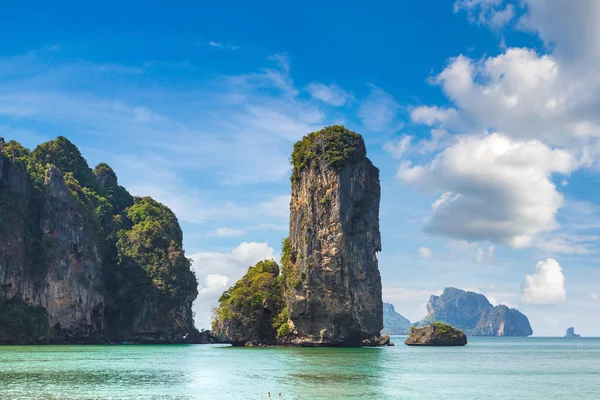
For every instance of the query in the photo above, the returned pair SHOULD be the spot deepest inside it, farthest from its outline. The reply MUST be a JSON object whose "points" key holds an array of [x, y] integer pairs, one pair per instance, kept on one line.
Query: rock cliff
{"points": [[473, 313], [81, 260], [333, 286], [393, 322], [436, 334], [330, 282], [570, 333]]}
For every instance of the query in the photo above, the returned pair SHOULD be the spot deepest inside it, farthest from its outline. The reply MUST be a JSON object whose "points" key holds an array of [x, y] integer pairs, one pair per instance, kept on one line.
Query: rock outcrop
{"points": [[330, 283], [571, 333], [472, 313], [436, 334], [83, 257], [393, 322], [333, 286]]}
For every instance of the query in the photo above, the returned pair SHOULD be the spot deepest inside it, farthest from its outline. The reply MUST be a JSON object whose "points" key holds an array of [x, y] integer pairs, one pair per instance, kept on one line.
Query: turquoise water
{"points": [[487, 368]]}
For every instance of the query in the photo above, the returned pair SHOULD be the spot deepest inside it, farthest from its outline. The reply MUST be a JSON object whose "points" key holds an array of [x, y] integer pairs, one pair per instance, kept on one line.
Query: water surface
{"points": [[487, 368]]}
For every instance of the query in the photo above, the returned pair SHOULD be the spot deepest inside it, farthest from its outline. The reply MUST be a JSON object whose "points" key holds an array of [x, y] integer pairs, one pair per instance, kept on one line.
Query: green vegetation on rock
{"points": [[335, 144], [139, 241], [253, 309], [21, 323], [154, 243]]}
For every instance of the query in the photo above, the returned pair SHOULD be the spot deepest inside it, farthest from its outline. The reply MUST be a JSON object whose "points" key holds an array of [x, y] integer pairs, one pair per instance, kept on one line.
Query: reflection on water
{"points": [[493, 368]]}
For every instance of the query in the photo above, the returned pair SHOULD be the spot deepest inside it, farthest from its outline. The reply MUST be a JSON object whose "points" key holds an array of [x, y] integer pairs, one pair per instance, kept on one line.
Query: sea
{"points": [[487, 368]]}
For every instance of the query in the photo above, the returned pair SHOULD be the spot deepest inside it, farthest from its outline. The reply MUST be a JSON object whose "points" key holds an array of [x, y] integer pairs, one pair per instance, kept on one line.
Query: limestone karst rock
{"points": [[436, 334], [83, 261], [570, 333], [472, 313], [332, 283], [330, 287], [393, 322]]}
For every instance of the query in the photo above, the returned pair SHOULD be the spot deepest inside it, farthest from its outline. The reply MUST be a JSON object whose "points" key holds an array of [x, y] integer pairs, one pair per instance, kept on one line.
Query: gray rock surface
{"points": [[393, 322], [472, 313], [436, 334], [570, 333], [335, 297]]}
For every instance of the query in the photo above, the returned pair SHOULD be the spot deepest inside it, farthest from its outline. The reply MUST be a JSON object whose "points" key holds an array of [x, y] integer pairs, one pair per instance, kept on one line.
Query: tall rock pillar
{"points": [[332, 284]]}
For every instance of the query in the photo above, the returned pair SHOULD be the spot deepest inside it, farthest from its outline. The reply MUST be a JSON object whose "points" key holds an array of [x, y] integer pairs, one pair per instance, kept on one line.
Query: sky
{"points": [[482, 115]]}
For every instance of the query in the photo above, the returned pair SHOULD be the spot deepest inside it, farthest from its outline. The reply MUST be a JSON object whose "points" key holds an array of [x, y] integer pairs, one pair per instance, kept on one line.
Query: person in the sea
{"points": [[268, 395]]}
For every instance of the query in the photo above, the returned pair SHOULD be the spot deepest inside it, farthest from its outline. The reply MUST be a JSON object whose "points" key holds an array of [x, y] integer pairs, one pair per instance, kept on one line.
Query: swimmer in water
{"points": [[268, 395]]}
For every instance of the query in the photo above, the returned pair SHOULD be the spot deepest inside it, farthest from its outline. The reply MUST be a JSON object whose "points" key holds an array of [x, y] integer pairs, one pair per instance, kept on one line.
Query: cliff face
{"points": [[59, 226], [473, 313], [333, 286], [393, 322], [329, 290]]}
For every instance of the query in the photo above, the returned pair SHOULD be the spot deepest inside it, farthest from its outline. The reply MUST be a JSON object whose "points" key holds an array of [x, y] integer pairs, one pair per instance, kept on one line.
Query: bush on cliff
{"points": [[335, 144], [252, 309], [21, 323]]}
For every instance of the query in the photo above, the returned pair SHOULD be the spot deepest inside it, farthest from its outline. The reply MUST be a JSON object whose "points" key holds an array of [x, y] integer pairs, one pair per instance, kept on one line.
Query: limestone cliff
{"points": [[472, 313], [393, 322], [333, 286], [60, 267], [329, 289]]}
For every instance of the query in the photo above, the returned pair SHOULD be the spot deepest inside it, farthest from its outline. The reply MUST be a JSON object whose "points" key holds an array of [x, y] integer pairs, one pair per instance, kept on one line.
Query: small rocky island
{"points": [[571, 333], [327, 290], [436, 334], [84, 261], [475, 315]]}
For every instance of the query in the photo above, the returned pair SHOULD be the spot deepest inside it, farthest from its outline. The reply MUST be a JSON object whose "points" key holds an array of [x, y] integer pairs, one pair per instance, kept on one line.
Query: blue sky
{"points": [[481, 115]]}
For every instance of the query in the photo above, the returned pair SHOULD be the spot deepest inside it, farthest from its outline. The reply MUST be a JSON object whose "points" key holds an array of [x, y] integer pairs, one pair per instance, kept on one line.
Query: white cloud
{"points": [[432, 115], [223, 45], [226, 232], [218, 270], [425, 252], [379, 111], [398, 149], [479, 255], [278, 206], [331, 94], [486, 12], [564, 243], [493, 188], [594, 296], [572, 30], [544, 286], [490, 251]]}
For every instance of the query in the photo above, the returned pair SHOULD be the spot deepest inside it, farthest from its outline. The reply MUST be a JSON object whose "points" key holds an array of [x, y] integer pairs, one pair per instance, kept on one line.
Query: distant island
{"points": [[474, 314], [327, 289], [83, 261], [571, 333], [393, 322]]}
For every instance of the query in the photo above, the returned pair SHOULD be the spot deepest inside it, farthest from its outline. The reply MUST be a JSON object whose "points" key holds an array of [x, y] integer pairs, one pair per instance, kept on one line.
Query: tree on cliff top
{"points": [[335, 144]]}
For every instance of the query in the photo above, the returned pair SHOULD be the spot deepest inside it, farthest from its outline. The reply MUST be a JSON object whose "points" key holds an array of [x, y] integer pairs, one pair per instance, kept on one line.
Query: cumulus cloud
{"points": [[425, 252], [379, 111], [487, 12], [216, 271], [432, 115], [545, 286], [278, 206], [226, 232], [493, 188], [398, 149], [331, 94]]}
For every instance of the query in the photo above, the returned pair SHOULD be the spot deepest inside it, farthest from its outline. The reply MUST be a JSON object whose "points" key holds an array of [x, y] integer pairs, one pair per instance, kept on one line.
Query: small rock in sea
{"points": [[436, 334]]}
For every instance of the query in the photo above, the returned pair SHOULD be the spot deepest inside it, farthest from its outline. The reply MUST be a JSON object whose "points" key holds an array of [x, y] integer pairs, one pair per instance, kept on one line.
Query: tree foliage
{"points": [[335, 144], [254, 304]]}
